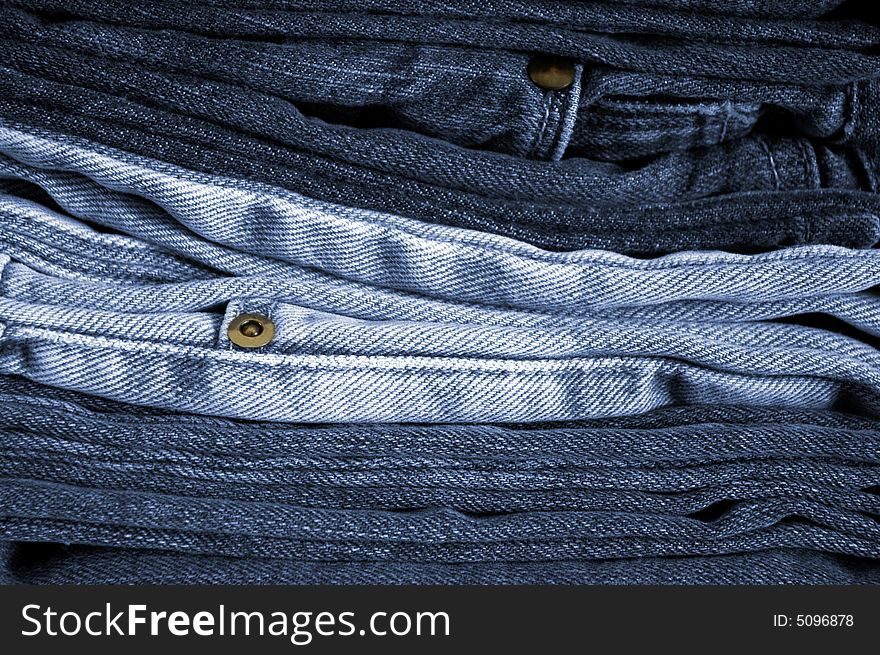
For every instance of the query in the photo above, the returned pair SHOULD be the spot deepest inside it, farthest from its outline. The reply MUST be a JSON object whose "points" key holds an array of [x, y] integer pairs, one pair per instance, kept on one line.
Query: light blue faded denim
{"points": [[114, 263], [200, 212], [110, 264], [166, 345]]}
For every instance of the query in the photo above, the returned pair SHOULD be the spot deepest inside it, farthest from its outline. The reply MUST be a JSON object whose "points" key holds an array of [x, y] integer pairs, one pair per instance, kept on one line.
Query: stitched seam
{"points": [[545, 107], [772, 162], [612, 367], [554, 135], [849, 121]]}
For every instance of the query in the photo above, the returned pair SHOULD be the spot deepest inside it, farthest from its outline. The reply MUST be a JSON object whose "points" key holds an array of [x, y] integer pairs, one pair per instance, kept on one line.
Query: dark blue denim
{"points": [[702, 155], [771, 49], [503, 503], [471, 96], [581, 9], [54, 563]]}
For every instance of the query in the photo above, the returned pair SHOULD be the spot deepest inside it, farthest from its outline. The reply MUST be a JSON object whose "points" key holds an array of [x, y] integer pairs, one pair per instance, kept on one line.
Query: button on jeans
{"points": [[698, 171], [163, 345]]}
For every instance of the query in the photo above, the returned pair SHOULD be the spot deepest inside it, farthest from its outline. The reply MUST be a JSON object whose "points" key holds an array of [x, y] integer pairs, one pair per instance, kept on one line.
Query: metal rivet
{"points": [[251, 330], [553, 73]]}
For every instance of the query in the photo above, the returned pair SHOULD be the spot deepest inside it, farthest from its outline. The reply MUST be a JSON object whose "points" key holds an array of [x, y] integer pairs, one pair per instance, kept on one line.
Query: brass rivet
{"points": [[251, 330], [553, 73]]}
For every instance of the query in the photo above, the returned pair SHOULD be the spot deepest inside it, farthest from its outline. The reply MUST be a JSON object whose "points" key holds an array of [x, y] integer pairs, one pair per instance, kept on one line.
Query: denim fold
{"points": [[298, 292], [198, 213], [42, 563], [633, 177], [705, 481]]}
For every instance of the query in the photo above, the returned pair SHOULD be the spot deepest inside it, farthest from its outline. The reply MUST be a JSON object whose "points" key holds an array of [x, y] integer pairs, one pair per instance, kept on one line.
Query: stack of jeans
{"points": [[439, 292]]}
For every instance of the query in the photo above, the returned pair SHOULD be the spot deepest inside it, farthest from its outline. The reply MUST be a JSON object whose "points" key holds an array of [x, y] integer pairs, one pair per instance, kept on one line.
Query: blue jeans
{"points": [[51, 563], [246, 229], [702, 481], [481, 353], [698, 172], [166, 345], [472, 374]]}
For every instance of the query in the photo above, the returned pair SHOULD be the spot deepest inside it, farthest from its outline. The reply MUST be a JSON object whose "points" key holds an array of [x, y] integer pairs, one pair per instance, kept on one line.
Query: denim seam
{"points": [[84, 267], [854, 92], [447, 463], [742, 428], [728, 116], [197, 538], [614, 368], [553, 135], [542, 126], [774, 174], [187, 537], [449, 448], [810, 164], [38, 231], [499, 249]]}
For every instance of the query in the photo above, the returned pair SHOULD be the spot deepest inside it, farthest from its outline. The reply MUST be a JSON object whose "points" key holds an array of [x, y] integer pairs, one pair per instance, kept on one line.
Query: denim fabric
{"points": [[755, 8], [167, 346], [106, 266], [709, 190], [803, 212], [411, 358], [48, 563], [647, 11], [248, 229], [434, 90], [474, 97], [745, 49], [473, 377], [682, 481], [626, 116]]}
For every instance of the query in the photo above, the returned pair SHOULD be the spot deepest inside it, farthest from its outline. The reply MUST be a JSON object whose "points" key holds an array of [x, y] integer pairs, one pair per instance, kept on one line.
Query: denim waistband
{"points": [[72, 264], [714, 480], [711, 197], [330, 367]]}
